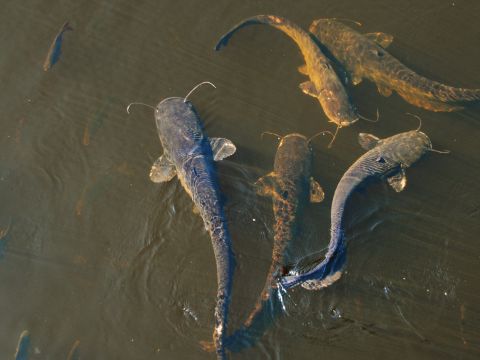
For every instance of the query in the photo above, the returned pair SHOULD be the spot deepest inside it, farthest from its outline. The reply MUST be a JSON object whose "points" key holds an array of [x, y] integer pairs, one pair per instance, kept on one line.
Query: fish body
{"points": [[291, 186], [21, 353], [364, 56], [385, 159], [324, 83], [190, 154], [56, 48]]}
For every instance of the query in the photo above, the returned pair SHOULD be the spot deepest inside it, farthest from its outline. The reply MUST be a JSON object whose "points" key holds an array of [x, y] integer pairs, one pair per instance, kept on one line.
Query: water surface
{"points": [[97, 253]]}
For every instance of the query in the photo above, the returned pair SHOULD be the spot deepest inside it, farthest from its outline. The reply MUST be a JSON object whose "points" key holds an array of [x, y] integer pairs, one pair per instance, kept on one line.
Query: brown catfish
{"points": [[364, 56], [291, 187], [324, 83]]}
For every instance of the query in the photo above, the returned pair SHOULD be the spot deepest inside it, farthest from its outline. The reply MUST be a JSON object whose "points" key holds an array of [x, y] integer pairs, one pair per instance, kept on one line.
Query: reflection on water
{"points": [[92, 251]]}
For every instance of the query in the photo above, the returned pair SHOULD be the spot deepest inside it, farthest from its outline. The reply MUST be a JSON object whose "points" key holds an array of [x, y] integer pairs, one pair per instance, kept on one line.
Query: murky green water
{"points": [[95, 252]]}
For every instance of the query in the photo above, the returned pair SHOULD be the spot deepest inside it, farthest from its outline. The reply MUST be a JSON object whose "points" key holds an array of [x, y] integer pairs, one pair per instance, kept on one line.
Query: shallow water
{"points": [[91, 250]]}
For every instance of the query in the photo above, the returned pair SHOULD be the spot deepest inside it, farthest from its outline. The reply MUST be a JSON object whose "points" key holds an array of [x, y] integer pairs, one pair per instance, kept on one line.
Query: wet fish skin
{"points": [[56, 47], [324, 83], [363, 57], [188, 151], [387, 159], [290, 186]]}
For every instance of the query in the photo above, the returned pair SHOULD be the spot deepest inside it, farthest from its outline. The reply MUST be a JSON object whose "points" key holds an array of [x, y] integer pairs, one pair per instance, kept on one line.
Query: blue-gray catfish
{"points": [[385, 159], [291, 186], [189, 154]]}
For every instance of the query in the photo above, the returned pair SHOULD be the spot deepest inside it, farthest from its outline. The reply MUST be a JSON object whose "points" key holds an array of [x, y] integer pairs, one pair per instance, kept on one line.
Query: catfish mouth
{"points": [[295, 135], [345, 123]]}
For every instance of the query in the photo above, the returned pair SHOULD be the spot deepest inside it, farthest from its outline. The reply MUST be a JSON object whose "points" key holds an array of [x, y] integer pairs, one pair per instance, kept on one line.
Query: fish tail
{"points": [[66, 27], [452, 94], [429, 103], [225, 267], [267, 297], [280, 23], [318, 275], [432, 95], [259, 320]]}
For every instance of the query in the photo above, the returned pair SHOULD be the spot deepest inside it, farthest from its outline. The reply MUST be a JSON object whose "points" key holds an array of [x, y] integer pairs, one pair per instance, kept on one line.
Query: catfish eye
{"points": [[381, 160], [285, 194]]}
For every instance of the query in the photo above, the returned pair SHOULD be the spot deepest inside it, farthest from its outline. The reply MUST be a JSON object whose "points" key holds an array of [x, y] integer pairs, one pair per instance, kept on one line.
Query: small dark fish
{"points": [[324, 83], [364, 56], [291, 186], [21, 353], [3, 242], [23, 346], [56, 48], [385, 159], [189, 154], [74, 353]]}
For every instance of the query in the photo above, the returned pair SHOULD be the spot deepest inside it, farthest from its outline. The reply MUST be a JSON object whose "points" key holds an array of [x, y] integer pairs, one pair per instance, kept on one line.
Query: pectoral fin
{"points": [[382, 39], [162, 170], [309, 88], [222, 148], [384, 90], [367, 141], [356, 79], [302, 69], [316, 192], [398, 181], [265, 186]]}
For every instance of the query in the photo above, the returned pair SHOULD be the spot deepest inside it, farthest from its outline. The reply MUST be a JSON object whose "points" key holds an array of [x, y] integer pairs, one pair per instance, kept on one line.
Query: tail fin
{"points": [[450, 94], [281, 23], [248, 335], [429, 104], [319, 274]]}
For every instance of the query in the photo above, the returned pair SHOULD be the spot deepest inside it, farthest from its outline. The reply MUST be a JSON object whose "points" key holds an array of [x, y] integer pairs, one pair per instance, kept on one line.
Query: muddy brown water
{"points": [[92, 251]]}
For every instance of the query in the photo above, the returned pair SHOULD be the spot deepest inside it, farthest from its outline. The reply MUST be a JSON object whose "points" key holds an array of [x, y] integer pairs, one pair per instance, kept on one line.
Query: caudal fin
{"points": [[283, 24], [318, 274], [429, 104]]}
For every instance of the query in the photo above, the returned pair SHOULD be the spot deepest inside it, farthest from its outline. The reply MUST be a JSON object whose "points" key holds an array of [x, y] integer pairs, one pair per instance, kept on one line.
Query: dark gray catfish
{"points": [[364, 56], [324, 83], [190, 154], [385, 159]]}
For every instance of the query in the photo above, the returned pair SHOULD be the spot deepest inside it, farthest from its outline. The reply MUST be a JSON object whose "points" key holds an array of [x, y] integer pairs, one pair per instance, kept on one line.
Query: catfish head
{"points": [[329, 31], [294, 154]]}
